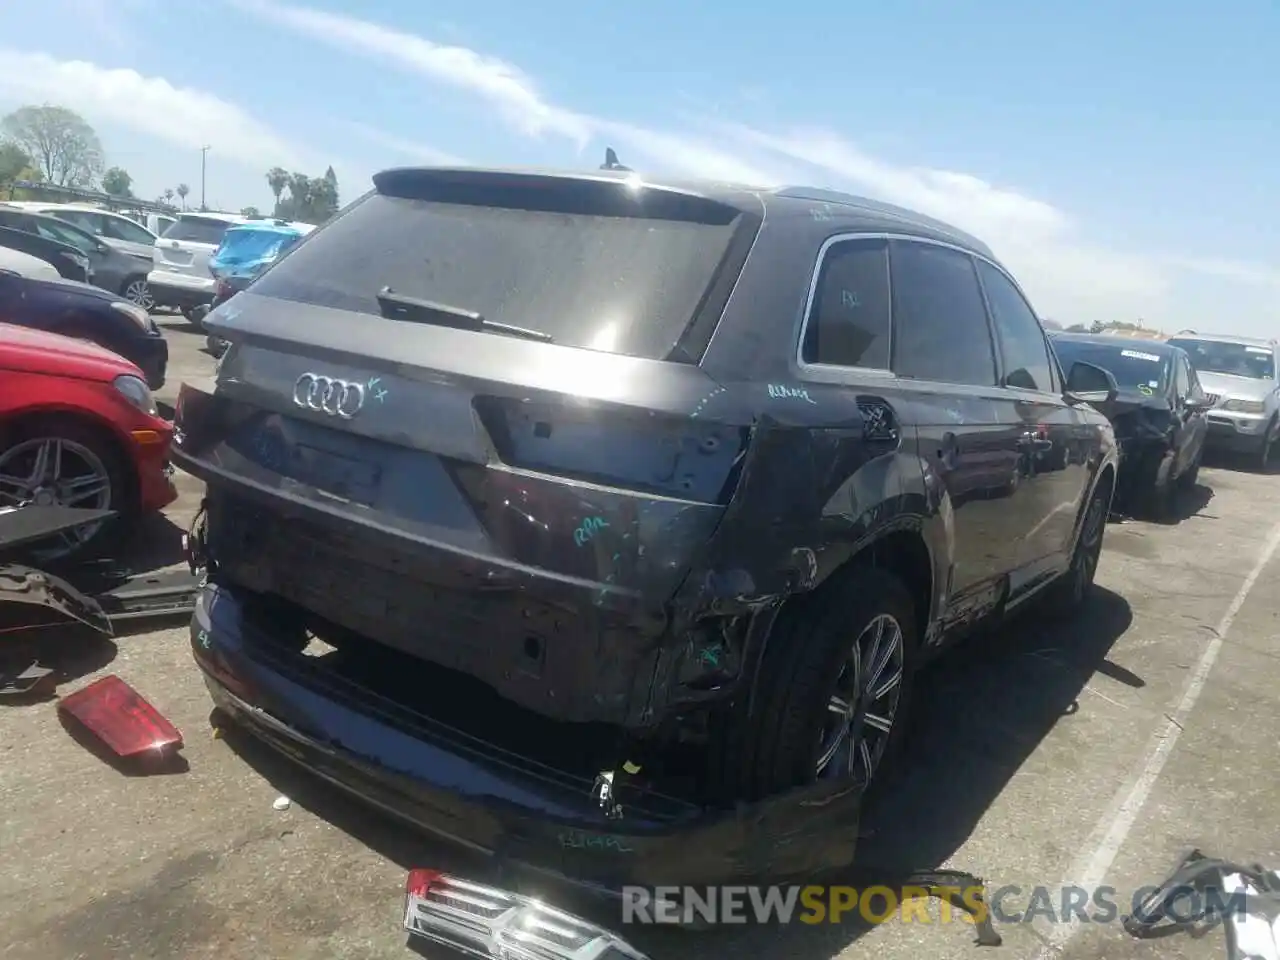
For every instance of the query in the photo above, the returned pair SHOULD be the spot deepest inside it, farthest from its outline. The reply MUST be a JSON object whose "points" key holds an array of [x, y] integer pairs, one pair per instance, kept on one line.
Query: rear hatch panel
{"points": [[521, 511]]}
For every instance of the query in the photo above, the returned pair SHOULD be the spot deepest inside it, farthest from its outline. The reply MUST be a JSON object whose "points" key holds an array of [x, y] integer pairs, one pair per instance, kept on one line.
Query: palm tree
{"points": [[183, 190], [168, 196], [277, 180]]}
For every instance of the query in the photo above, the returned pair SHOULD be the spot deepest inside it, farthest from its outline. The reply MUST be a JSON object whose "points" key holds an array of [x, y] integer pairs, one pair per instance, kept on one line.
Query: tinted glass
{"points": [[83, 220], [1133, 367], [940, 327], [1181, 381], [1237, 359], [622, 281], [1022, 344], [197, 230], [849, 319], [51, 228], [118, 228]]}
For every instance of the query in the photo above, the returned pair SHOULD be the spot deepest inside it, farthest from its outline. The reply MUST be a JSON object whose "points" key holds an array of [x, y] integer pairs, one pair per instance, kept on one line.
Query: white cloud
{"points": [[504, 86], [409, 148], [182, 116]]}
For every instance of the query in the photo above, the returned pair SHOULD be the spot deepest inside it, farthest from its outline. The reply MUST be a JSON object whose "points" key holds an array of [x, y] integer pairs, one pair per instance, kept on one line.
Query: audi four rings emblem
{"points": [[337, 398]]}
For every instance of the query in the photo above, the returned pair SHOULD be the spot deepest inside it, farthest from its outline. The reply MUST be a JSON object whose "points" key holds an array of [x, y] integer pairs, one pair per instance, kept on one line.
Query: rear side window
{"points": [[848, 322], [584, 264], [118, 228], [940, 329], [1023, 348], [197, 230]]}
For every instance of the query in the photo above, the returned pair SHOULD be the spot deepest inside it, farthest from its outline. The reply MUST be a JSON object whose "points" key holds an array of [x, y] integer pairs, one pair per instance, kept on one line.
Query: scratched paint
{"points": [[587, 530], [203, 638], [780, 391], [378, 392], [581, 840], [701, 405]]}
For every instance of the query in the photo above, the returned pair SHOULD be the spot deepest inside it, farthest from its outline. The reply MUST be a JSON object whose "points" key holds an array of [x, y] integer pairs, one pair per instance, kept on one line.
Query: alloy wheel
{"points": [[1085, 563], [54, 471], [139, 292], [862, 710]]}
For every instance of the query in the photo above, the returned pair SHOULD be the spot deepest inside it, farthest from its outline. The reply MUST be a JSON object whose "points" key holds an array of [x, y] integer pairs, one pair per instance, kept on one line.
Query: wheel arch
{"points": [[28, 418]]}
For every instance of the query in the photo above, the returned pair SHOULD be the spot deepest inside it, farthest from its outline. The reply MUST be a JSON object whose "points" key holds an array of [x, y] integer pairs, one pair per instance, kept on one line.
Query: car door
{"points": [[128, 237], [1054, 474], [1193, 418], [943, 354]]}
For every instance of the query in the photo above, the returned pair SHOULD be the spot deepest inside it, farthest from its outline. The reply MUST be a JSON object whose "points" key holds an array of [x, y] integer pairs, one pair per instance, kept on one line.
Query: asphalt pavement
{"points": [[1042, 756]]}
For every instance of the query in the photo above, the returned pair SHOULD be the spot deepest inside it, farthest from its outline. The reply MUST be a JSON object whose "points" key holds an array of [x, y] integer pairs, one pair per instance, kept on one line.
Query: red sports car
{"points": [[79, 427]]}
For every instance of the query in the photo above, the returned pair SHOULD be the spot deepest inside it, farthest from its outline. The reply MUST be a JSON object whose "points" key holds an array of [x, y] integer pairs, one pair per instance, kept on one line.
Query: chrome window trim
{"points": [[888, 237]]}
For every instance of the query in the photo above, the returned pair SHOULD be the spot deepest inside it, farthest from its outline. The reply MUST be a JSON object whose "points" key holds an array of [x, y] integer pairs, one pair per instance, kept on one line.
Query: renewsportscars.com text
{"points": [[880, 904]]}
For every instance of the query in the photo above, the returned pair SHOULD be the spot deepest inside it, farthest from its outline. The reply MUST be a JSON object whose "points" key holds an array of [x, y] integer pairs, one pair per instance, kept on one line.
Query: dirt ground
{"points": [[1041, 757]]}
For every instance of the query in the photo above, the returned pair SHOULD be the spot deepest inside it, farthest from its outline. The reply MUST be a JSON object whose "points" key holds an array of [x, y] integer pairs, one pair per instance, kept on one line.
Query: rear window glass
{"points": [[1134, 367], [197, 230], [614, 283], [1236, 359]]}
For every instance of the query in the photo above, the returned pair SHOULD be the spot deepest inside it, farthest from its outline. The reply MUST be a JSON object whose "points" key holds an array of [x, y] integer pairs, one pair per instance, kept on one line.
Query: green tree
{"points": [[60, 143], [310, 199], [250, 212], [277, 180], [183, 190], [117, 182]]}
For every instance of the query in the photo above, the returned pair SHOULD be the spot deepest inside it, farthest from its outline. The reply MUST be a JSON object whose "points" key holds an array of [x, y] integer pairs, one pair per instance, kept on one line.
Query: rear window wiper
{"points": [[396, 306]]}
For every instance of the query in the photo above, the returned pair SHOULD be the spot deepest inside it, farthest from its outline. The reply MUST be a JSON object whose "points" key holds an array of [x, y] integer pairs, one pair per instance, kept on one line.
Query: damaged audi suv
{"points": [[572, 515]]}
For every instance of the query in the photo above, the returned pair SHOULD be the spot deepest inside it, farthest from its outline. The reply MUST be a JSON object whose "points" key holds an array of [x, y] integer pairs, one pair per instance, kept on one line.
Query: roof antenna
{"points": [[611, 161]]}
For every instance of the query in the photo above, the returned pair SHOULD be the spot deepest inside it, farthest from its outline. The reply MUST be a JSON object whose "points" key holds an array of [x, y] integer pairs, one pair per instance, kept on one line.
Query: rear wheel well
{"points": [[905, 555], [34, 420]]}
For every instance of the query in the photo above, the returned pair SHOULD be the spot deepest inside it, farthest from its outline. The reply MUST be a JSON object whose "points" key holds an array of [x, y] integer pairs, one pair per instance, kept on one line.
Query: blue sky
{"points": [[1121, 158]]}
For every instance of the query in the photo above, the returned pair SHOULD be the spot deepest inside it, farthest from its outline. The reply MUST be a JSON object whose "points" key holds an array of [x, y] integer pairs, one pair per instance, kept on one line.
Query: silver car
{"points": [[1240, 375]]}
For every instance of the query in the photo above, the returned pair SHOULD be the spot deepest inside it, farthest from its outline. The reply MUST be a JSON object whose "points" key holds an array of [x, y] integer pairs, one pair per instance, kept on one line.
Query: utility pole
{"points": [[204, 152]]}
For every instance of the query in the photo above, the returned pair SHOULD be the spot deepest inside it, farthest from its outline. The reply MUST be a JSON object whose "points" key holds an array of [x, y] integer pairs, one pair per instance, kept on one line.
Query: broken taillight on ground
{"points": [[122, 719], [484, 921]]}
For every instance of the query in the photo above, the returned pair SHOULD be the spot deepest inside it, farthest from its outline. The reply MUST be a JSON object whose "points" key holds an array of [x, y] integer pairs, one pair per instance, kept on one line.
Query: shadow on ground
{"points": [[1186, 504], [980, 712]]}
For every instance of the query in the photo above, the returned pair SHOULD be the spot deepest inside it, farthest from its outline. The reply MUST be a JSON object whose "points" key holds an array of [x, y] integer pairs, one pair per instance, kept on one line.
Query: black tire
{"points": [[1069, 594], [1189, 476], [119, 472], [1266, 456], [811, 641], [136, 291]]}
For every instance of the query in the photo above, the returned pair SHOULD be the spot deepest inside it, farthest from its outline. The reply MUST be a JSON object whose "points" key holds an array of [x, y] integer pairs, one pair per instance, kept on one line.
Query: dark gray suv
{"points": [[598, 486]]}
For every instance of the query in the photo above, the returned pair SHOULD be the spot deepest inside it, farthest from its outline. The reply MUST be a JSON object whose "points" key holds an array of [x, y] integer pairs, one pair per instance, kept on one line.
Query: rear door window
{"points": [[940, 329], [197, 230], [848, 321], [1023, 349], [118, 228], [584, 263]]}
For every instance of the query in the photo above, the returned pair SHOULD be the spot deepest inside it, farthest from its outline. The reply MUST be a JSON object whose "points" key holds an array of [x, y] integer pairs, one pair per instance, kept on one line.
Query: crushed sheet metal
{"points": [[19, 584], [483, 921]]}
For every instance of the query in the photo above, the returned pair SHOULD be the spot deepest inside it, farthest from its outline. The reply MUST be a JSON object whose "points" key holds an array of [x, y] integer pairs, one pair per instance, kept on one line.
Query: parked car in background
{"points": [[79, 427], [114, 229], [245, 252], [87, 313], [68, 260], [180, 276], [1240, 375], [123, 274], [25, 265], [538, 408], [1159, 414]]}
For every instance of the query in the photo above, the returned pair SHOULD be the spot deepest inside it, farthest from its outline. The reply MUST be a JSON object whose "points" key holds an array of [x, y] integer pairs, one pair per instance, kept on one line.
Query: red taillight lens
{"points": [[119, 716], [420, 882]]}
